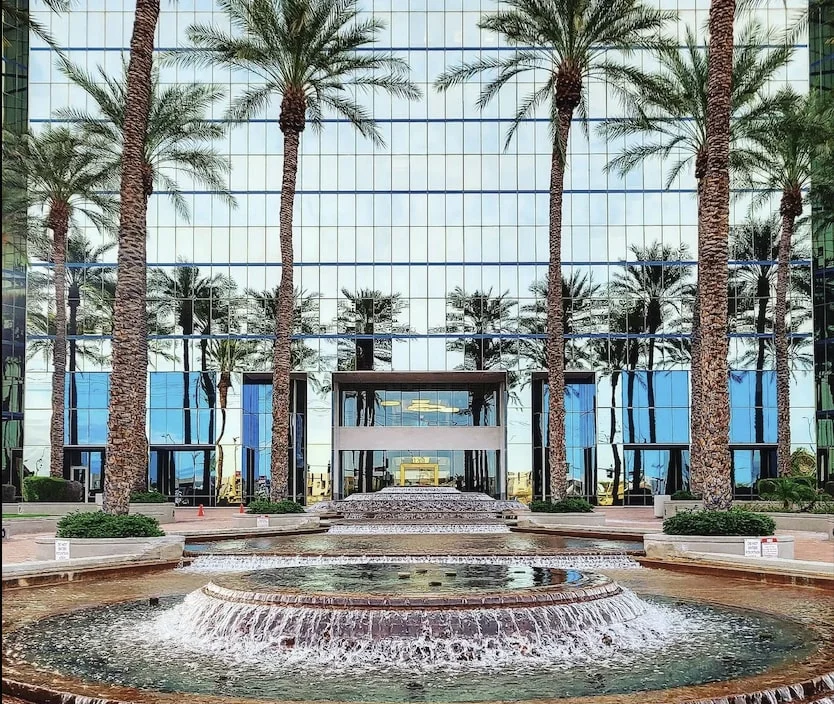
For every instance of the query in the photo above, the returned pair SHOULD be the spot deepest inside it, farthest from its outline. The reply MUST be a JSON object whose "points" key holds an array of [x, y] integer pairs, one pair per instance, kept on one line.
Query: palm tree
{"points": [[710, 451], [364, 313], [179, 139], [304, 51], [148, 134], [653, 126], [656, 291], [756, 242], [579, 314], [785, 149], [62, 176], [560, 44], [127, 453], [228, 355]]}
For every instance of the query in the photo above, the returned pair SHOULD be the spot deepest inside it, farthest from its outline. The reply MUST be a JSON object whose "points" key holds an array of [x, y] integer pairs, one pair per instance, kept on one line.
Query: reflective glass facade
{"points": [[429, 254], [13, 359], [821, 47]]}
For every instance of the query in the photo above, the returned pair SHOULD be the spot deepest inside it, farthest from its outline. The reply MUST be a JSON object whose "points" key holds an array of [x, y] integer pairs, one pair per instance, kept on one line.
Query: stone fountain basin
{"points": [[810, 671]]}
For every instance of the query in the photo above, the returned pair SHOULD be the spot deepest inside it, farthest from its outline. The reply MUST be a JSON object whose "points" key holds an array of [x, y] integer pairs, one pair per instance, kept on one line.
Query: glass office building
{"points": [[420, 271]]}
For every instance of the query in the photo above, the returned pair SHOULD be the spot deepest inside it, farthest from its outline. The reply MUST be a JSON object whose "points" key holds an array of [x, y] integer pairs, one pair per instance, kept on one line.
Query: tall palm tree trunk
{"points": [[554, 342], [223, 389], [790, 209], [59, 223], [712, 441], [127, 455], [284, 315]]}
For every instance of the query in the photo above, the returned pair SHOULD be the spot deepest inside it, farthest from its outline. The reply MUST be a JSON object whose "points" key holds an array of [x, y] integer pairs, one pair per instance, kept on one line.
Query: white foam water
{"points": [[414, 528], [338, 638], [248, 563]]}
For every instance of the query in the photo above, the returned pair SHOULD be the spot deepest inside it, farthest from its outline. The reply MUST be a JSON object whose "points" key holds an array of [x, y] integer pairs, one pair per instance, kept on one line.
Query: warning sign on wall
{"points": [[770, 547], [752, 547]]}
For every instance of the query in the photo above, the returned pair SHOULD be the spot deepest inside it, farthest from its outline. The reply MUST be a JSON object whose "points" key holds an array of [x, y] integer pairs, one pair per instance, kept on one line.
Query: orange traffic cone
{"points": [[241, 509], [200, 512]]}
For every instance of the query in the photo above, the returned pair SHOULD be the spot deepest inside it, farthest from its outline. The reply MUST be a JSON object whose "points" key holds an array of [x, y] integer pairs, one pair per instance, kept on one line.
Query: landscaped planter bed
{"points": [[168, 547], [564, 519], [279, 520], [661, 546]]}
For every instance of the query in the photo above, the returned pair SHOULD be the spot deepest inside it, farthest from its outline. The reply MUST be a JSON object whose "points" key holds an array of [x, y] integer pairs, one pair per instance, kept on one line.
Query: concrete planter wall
{"points": [[168, 547], [662, 546], [24, 526], [670, 508], [814, 522], [164, 513], [51, 508], [279, 520], [531, 520]]}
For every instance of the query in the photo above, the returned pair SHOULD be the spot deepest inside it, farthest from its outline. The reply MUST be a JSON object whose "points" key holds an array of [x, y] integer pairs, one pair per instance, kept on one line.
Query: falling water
{"points": [[411, 528], [248, 563], [291, 627]]}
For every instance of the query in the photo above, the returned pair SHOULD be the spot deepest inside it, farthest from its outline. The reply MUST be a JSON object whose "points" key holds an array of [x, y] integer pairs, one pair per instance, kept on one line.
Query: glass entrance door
{"points": [[419, 473], [372, 470]]}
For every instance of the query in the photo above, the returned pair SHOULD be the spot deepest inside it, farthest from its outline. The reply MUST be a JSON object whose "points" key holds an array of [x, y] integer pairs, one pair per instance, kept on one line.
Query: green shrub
{"points": [[148, 497], [105, 525], [823, 507], [736, 521], [51, 489], [269, 507], [9, 493], [788, 490], [828, 488], [684, 495], [571, 504]]}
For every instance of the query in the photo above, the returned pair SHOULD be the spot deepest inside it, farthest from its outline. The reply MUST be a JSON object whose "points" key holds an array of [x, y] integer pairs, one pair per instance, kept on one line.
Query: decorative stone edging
{"points": [[798, 692]]}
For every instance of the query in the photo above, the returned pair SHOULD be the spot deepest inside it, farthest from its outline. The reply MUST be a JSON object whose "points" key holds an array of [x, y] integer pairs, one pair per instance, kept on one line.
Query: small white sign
{"points": [[770, 547], [262, 522], [62, 550], [752, 547]]}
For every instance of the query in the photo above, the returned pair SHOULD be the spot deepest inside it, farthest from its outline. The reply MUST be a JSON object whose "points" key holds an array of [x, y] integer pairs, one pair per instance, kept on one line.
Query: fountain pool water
{"points": [[407, 630]]}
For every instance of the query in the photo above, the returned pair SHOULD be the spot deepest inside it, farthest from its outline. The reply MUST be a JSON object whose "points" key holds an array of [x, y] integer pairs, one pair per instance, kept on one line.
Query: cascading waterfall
{"points": [[567, 615], [247, 563]]}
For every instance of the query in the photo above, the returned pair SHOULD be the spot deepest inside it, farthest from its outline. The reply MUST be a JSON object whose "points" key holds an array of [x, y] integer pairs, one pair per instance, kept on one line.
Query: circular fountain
{"points": [[481, 613], [436, 629]]}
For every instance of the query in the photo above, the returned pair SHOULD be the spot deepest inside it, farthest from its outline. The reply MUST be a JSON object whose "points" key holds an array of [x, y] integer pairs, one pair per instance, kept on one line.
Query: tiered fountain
{"points": [[423, 510], [409, 615]]}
